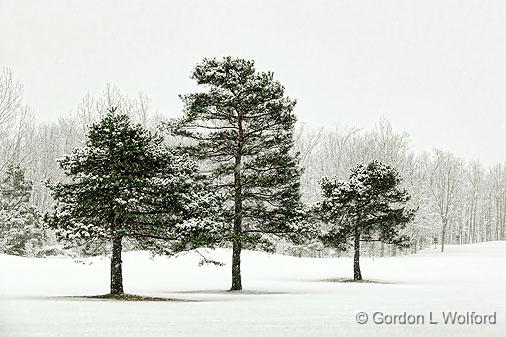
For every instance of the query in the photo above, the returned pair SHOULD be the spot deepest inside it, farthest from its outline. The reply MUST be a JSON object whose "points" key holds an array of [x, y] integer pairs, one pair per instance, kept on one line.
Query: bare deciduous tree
{"points": [[445, 178], [11, 93]]}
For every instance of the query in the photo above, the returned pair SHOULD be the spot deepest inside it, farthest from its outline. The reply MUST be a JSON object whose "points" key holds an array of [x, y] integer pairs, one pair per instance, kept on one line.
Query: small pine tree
{"points": [[242, 128], [126, 184], [21, 232], [367, 207]]}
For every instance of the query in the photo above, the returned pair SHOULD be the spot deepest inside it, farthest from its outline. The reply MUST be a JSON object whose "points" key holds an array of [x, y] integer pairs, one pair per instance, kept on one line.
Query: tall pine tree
{"points": [[125, 184], [370, 206], [242, 128]]}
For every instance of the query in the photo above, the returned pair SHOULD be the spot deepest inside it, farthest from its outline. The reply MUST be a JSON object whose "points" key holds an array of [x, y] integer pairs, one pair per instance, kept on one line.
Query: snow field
{"points": [[284, 296]]}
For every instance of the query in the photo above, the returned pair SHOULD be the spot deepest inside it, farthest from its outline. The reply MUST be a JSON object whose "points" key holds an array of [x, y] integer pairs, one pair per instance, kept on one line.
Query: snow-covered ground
{"points": [[285, 296]]}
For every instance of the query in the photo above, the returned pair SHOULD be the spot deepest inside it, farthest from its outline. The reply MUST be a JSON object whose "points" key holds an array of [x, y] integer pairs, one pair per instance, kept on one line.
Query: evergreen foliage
{"points": [[125, 183], [242, 127], [21, 231], [370, 206]]}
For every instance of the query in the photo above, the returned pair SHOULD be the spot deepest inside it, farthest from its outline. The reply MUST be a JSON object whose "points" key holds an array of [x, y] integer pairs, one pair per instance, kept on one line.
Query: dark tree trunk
{"points": [[237, 231], [357, 275], [116, 270], [443, 234], [236, 265]]}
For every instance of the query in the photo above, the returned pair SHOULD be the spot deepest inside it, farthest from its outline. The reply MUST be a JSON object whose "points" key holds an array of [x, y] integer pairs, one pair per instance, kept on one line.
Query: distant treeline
{"points": [[457, 201]]}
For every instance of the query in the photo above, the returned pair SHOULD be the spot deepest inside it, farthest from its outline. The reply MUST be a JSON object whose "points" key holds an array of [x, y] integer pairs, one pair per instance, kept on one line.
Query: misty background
{"points": [[434, 69]]}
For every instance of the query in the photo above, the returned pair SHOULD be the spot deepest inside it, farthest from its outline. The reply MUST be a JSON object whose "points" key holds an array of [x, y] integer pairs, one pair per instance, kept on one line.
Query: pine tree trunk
{"points": [[116, 270], [236, 265], [237, 231], [357, 275]]}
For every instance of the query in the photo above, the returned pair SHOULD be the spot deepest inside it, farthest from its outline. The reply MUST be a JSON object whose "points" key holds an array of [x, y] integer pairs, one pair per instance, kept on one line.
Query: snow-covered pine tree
{"points": [[370, 206], [126, 184], [242, 128], [21, 231]]}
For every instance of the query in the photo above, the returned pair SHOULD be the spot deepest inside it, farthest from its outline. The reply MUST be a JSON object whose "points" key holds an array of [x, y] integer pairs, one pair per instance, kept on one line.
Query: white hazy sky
{"points": [[436, 69]]}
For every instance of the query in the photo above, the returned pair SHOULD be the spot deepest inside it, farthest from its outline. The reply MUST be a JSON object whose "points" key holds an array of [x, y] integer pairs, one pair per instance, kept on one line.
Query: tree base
{"points": [[350, 280], [129, 297]]}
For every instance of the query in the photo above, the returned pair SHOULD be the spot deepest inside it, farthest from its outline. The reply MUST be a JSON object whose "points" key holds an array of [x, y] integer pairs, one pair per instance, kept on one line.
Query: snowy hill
{"points": [[285, 296]]}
